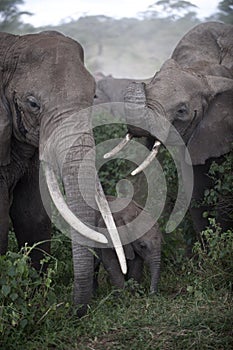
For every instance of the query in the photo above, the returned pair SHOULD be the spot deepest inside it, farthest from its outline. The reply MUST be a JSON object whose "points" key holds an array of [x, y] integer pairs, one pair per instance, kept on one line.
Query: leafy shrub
{"points": [[220, 196], [26, 296], [216, 247], [115, 169]]}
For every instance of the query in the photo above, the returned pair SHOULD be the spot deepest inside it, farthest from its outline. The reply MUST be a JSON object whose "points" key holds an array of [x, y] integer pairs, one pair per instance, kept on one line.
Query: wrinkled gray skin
{"points": [[108, 90], [144, 249], [43, 81], [194, 90]]}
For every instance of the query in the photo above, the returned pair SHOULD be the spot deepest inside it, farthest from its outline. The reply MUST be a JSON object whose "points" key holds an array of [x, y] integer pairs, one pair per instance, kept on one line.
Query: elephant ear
{"points": [[6, 41], [213, 136]]}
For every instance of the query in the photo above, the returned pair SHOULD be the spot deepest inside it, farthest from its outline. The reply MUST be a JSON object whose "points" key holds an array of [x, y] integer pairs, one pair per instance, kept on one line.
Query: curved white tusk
{"points": [[111, 226], [66, 213], [151, 156], [119, 147]]}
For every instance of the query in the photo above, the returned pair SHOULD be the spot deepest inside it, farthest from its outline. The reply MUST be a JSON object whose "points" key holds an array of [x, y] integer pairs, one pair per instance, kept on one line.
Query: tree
{"points": [[226, 11], [173, 9], [10, 15]]}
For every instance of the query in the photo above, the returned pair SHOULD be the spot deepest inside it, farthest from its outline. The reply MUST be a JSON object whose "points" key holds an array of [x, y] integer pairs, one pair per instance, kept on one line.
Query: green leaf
{"points": [[6, 290], [23, 323], [13, 296]]}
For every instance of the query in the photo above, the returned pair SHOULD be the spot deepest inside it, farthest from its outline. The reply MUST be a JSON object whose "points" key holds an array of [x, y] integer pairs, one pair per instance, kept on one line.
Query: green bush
{"points": [[26, 296], [220, 196], [115, 169], [215, 253]]}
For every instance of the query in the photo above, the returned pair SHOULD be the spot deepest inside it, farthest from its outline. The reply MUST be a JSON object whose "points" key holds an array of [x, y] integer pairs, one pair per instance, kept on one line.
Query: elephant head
{"points": [[109, 89], [142, 243], [110, 94], [198, 106], [193, 91], [44, 86]]}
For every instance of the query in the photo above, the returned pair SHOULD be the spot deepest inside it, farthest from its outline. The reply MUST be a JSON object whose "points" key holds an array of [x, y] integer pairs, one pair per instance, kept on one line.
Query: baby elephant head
{"points": [[145, 248]]}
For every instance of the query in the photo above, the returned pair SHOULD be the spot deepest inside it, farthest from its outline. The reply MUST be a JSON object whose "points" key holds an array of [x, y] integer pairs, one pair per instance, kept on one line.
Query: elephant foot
{"points": [[81, 311]]}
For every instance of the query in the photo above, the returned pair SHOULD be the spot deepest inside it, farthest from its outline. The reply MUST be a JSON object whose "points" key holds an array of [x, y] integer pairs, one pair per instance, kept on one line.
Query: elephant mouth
{"points": [[151, 156]]}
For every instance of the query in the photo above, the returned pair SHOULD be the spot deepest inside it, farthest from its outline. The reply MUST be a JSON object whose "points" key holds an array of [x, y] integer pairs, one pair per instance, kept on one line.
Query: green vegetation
{"points": [[220, 197], [193, 309]]}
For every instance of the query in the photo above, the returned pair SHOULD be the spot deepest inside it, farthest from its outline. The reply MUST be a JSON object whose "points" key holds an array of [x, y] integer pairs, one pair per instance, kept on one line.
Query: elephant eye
{"points": [[182, 111], [33, 103]]}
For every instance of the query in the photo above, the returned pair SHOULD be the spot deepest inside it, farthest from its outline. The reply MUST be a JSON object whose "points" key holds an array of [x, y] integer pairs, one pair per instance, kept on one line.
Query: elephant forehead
{"points": [[178, 84], [54, 46], [48, 65]]}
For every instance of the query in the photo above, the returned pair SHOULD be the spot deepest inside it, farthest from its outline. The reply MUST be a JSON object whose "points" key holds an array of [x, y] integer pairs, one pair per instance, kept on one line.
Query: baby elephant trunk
{"points": [[154, 265], [149, 248]]}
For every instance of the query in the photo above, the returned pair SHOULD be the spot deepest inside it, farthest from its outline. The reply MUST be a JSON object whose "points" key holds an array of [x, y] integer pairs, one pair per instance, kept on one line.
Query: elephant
{"points": [[45, 86], [110, 91], [146, 248], [193, 91]]}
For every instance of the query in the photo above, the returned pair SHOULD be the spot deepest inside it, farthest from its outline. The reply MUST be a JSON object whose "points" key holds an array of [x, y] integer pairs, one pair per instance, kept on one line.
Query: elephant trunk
{"points": [[142, 121], [136, 110], [154, 266], [76, 188], [145, 116], [153, 256], [70, 152]]}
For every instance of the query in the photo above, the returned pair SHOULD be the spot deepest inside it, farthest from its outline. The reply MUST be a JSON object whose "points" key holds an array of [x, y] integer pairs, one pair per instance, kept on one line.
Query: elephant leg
{"points": [[30, 220], [4, 219], [135, 268], [111, 265]]}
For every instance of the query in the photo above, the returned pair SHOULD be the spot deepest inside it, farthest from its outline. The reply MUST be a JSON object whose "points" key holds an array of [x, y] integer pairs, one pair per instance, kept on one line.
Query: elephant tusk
{"points": [[111, 226], [66, 213], [119, 147], [148, 159]]}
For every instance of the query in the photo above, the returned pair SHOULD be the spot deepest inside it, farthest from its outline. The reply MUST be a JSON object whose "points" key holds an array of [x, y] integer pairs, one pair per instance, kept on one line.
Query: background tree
{"points": [[10, 15], [226, 11], [173, 9]]}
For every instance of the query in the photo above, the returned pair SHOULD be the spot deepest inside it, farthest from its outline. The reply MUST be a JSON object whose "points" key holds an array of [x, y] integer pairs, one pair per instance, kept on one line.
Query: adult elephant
{"points": [[44, 86], [110, 91], [193, 91]]}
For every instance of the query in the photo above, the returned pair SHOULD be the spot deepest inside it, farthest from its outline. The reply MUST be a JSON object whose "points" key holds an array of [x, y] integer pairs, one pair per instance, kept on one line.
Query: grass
{"points": [[192, 310]]}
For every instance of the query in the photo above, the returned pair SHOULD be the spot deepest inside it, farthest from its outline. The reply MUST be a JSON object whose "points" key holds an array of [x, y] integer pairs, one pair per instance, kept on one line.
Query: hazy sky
{"points": [[54, 11]]}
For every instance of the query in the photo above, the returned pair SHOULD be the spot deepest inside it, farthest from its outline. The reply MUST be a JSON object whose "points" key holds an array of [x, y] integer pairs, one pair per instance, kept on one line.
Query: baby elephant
{"points": [[146, 248]]}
